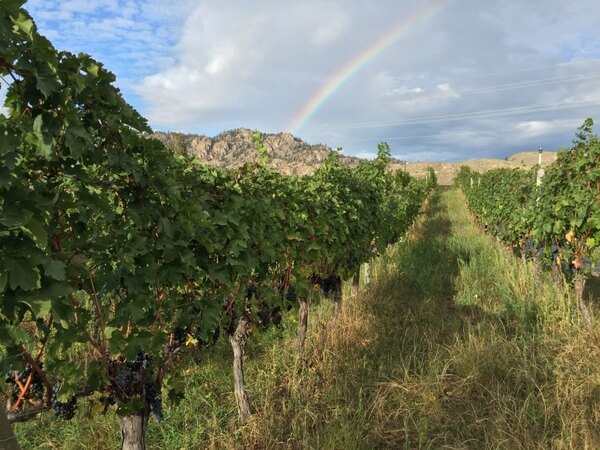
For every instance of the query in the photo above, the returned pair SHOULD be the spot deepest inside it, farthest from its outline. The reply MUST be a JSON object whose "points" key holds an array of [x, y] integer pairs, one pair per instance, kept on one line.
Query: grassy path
{"points": [[450, 346]]}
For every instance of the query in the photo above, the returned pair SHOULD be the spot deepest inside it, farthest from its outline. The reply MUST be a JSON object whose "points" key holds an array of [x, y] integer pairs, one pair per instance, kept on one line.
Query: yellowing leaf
{"points": [[570, 236], [24, 24], [191, 341], [92, 69]]}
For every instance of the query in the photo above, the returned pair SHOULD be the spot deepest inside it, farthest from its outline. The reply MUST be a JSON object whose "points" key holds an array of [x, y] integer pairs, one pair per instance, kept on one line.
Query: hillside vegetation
{"points": [[234, 148], [291, 155]]}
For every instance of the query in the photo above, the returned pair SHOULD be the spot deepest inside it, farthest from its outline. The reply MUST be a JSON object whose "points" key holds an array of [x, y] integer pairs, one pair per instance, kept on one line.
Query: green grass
{"points": [[451, 345]]}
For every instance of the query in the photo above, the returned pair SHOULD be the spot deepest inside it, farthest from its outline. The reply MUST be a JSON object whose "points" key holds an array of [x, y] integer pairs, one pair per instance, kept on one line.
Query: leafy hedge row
{"points": [[560, 218], [118, 251]]}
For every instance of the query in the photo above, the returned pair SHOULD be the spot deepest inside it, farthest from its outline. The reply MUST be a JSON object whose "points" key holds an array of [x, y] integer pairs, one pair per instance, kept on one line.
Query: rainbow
{"points": [[339, 78]]}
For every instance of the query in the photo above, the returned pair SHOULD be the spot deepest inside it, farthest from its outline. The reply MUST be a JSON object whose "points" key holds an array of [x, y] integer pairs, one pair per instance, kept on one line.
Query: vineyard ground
{"points": [[451, 345]]}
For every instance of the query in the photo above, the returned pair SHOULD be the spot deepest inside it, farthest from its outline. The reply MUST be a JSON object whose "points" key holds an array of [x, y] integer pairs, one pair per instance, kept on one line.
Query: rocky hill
{"points": [[291, 155], [234, 148]]}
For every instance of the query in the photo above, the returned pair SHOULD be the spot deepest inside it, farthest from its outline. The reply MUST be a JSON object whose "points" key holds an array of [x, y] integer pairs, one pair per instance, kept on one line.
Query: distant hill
{"points": [[292, 155], [234, 148], [447, 171]]}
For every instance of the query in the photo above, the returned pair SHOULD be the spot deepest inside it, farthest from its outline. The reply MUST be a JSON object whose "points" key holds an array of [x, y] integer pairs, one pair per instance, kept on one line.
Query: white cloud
{"points": [[446, 90], [332, 31], [535, 128], [475, 78]]}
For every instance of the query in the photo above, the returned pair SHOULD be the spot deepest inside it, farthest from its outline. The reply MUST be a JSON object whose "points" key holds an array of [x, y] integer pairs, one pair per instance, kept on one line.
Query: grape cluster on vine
{"points": [[179, 337], [63, 410], [153, 398], [130, 379], [330, 284], [15, 378], [129, 376]]}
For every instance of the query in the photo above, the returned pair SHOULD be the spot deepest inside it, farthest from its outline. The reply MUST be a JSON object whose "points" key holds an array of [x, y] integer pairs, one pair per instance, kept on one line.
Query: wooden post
{"points": [[539, 175], [133, 431], [238, 341], [557, 276], [367, 273], [579, 288]]}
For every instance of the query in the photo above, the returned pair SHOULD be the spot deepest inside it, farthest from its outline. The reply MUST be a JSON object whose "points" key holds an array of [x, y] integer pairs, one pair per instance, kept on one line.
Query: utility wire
{"points": [[476, 114], [458, 133], [530, 83]]}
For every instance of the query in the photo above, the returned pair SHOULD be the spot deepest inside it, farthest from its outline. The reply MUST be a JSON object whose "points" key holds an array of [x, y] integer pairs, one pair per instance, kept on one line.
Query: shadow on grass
{"points": [[434, 375], [425, 280]]}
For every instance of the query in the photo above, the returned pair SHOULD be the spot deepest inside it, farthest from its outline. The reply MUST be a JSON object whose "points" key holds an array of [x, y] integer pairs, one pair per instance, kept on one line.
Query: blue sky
{"points": [[476, 79]]}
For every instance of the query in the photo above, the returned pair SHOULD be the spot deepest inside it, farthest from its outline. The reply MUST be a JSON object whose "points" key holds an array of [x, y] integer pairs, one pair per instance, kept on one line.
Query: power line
{"points": [[476, 114], [530, 83], [459, 133], [532, 69]]}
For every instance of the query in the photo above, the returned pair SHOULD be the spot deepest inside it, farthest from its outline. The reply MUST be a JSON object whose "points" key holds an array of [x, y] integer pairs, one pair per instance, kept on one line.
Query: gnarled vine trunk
{"points": [[8, 441], [133, 431], [302, 325], [579, 288], [557, 276], [367, 274], [238, 341]]}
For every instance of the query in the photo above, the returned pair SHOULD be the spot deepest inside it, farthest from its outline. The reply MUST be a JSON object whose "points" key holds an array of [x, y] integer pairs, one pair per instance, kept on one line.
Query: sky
{"points": [[439, 80]]}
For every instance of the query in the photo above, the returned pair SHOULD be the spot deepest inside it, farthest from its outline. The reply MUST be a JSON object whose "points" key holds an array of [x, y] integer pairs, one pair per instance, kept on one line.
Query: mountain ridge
{"points": [[291, 155]]}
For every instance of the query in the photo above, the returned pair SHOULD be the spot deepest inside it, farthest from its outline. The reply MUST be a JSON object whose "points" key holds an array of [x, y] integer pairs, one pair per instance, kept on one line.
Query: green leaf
{"points": [[24, 24], [547, 227], [8, 141], [95, 373], [22, 275], [44, 145], [47, 84], [77, 139], [55, 269], [37, 231], [131, 407], [18, 335], [164, 225], [40, 307], [3, 281], [15, 217], [116, 339]]}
